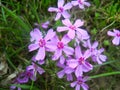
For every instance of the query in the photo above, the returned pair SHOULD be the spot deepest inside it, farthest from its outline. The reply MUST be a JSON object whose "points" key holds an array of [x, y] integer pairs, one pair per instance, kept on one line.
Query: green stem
{"points": [[105, 74], [32, 85]]}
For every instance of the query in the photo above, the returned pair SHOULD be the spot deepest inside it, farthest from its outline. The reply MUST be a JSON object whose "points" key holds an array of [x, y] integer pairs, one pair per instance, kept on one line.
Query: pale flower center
{"points": [[60, 9], [81, 60], [60, 45], [72, 27], [42, 42]]}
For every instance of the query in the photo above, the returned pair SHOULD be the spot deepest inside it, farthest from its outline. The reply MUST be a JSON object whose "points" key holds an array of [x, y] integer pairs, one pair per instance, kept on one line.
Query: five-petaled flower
{"points": [[80, 83], [80, 63], [116, 35], [81, 3], [59, 46], [61, 10], [38, 42], [73, 28]]}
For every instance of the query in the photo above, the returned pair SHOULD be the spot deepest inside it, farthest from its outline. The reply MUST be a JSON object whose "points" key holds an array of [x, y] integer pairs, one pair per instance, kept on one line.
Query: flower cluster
{"points": [[74, 59]]}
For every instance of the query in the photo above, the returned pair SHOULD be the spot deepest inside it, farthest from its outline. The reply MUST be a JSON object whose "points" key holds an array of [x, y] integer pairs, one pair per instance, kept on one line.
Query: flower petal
{"points": [[57, 16], [79, 71], [65, 14], [78, 52], [50, 34], [60, 3], [95, 44], [52, 9], [66, 22], [57, 54], [103, 58], [87, 4], [71, 34], [33, 47], [61, 29], [72, 63], [111, 33], [61, 74], [116, 41], [78, 23], [68, 6], [74, 3], [68, 50], [65, 39], [41, 54], [73, 84], [85, 86], [77, 87]]}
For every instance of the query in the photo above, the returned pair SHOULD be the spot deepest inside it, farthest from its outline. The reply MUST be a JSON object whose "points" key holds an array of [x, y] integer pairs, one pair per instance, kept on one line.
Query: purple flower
{"points": [[35, 68], [25, 76], [91, 48], [45, 25], [66, 70], [38, 42], [116, 35], [61, 10], [73, 28], [99, 57], [79, 63], [81, 3], [59, 46], [80, 83]]}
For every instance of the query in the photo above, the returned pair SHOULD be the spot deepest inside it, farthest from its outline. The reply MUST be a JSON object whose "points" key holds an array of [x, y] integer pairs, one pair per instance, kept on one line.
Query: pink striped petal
{"points": [[65, 39], [72, 63], [73, 84], [68, 50], [111, 33], [116, 41], [79, 71], [74, 3], [85, 86], [50, 34], [77, 87], [78, 53]]}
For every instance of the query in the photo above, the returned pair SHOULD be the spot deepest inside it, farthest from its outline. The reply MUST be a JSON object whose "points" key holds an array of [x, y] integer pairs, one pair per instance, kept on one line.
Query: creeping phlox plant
{"points": [[73, 50]]}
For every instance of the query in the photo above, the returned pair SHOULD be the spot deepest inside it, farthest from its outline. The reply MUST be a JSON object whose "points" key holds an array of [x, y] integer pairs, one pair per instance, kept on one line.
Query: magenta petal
{"points": [[78, 23], [61, 29], [79, 71], [116, 41], [68, 6], [68, 50], [52, 9], [33, 47], [65, 39], [65, 14], [71, 34], [50, 35], [77, 87], [66, 22], [41, 54], [60, 3], [72, 63], [73, 84]]}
